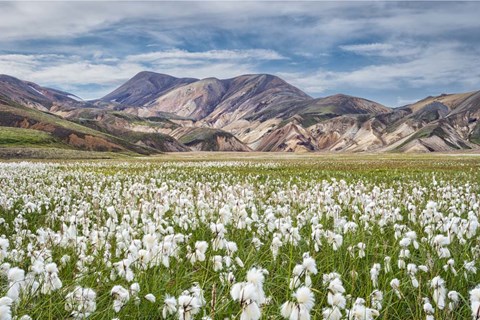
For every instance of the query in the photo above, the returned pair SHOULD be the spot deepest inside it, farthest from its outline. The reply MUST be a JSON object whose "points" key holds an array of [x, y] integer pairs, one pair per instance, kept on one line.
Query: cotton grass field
{"points": [[241, 237]]}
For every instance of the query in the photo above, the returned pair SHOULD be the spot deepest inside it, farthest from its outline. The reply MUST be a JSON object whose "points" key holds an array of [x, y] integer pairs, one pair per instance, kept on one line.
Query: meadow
{"points": [[241, 236]]}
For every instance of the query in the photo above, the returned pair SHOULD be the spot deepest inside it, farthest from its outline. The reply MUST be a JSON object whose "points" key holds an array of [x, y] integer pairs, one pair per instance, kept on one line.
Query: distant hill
{"points": [[155, 112], [32, 95]]}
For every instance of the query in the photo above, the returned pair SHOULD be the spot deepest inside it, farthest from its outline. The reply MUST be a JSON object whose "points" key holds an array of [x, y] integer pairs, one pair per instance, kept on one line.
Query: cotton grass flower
{"points": [[188, 306], [453, 300], [331, 314], [360, 312], [395, 284], [250, 294], [374, 273], [150, 297], [335, 297], [475, 302], [412, 271], [300, 309], [302, 272], [120, 297], [275, 246], [134, 291], [5, 308], [256, 276], [439, 291], [470, 268], [199, 253], [428, 308], [51, 281], [4, 245], [190, 302], [80, 302], [376, 298], [246, 294], [169, 306], [16, 281]]}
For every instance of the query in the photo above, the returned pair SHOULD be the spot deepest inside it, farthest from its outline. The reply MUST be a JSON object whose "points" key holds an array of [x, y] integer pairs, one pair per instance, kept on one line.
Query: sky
{"points": [[391, 52]]}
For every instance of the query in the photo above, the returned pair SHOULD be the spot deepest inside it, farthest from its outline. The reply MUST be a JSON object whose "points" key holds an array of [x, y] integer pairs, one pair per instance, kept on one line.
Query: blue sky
{"points": [[390, 52]]}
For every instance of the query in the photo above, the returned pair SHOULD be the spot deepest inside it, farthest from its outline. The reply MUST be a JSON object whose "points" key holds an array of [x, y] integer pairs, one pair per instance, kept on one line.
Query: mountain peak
{"points": [[261, 77], [341, 96], [10, 79], [210, 79], [150, 74], [145, 86]]}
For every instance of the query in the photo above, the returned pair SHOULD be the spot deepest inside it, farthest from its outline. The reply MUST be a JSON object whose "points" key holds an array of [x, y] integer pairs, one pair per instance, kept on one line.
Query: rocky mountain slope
{"points": [[157, 112], [62, 133], [32, 95]]}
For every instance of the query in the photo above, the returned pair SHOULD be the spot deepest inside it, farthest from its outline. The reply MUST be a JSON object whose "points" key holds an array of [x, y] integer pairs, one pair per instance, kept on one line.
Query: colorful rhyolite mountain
{"points": [[155, 112]]}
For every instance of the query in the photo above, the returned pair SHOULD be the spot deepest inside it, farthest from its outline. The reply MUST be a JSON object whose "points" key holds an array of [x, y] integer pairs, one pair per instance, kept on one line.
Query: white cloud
{"points": [[311, 23], [257, 54], [439, 65], [367, 48], [38, 20], [387, 50]]}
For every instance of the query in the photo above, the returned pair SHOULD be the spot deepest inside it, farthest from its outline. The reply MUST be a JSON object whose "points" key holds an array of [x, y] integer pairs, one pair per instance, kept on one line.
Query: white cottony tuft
{"points": [[189, 302], [169, 306], [395, 284], [5, 308], [360, 312], [439, 292], [120, 297], [250, 294], [150, 297], [16, 281], [475, 302], [81, 302], [299, 310]]}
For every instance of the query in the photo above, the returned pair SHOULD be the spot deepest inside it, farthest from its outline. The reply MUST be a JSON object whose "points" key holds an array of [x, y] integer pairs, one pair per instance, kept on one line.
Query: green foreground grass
{"points": [[296, 187]]}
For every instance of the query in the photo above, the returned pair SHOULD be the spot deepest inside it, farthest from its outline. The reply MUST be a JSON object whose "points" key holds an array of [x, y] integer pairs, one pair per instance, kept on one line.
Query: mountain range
{"points": [[154, 112]]}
